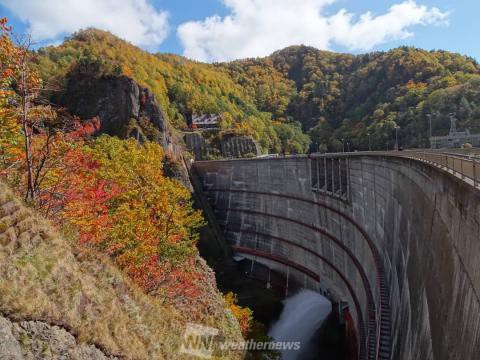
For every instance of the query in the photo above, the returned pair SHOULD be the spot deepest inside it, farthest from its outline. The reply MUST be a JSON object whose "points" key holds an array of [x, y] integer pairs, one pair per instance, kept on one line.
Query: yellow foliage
{"points": [[243, 315]]}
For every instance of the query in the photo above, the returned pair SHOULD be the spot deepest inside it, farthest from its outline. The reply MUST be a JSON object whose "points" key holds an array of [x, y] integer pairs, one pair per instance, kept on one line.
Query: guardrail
{"points": [[464, 166]]}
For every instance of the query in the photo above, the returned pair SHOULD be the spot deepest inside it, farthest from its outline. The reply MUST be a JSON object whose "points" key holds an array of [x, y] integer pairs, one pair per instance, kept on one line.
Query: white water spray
{"points": [[302, 315]]}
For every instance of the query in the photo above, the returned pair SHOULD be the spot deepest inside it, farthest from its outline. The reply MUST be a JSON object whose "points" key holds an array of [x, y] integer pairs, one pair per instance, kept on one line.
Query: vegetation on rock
{"points": [[49, 280], [113, 196]]}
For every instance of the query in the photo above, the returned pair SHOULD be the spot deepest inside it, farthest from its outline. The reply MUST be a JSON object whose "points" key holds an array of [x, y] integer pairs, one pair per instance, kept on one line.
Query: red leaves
{"points": [[113, 193], [176, 238], [85, 130], [7, 73], [180, 281], [86, 197], [144, 228]]}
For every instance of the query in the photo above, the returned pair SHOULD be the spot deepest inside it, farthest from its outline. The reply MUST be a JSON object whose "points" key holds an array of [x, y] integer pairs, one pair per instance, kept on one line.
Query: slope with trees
{"points": [[182, 87], [341, 96], [328, 95]]}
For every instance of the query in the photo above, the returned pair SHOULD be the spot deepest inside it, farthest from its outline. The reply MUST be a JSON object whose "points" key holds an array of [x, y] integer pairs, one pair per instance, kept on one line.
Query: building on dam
{"points": [[455, 138]]}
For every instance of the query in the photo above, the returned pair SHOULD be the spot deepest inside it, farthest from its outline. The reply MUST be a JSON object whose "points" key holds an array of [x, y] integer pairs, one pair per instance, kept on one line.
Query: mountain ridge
{"points": [[331, 96]]}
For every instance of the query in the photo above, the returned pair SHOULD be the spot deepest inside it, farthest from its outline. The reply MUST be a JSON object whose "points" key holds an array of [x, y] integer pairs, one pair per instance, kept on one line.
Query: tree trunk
{"points": [[30, 195]]}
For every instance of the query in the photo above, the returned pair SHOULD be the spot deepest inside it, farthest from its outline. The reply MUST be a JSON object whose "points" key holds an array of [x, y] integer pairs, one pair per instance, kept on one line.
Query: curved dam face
{"points": [[397, 239]]}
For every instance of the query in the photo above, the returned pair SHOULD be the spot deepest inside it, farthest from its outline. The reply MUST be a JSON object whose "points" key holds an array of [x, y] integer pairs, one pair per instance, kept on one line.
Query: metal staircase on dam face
{"points": [[384, 344]]}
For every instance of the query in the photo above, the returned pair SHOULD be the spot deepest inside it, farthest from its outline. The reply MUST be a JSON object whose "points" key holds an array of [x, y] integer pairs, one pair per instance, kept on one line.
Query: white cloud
{"points": [[259, 27], [134, 20]]}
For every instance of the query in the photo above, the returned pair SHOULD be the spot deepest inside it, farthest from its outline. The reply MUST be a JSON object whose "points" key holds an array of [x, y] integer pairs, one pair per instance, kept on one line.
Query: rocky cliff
{"points": [[124, 108], [239, 146]]}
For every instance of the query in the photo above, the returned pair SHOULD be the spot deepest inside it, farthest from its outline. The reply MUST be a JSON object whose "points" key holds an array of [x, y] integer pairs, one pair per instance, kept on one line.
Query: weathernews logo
{"points": [[199, 340], [203, 341]]}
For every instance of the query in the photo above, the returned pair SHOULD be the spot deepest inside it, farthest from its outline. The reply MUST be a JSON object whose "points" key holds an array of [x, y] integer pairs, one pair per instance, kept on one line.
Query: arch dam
{"points": [[397, 235]]}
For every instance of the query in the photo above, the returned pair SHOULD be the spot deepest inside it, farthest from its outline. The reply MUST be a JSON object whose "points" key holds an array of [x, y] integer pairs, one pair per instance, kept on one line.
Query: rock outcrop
{"points": [[124, 108], [197, 144], [229, 146], [39, 340], [239, 146], [127, 110]]}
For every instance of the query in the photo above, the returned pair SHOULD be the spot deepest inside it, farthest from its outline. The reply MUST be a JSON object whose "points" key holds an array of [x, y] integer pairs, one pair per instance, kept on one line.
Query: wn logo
{"points": [[199, 340]]}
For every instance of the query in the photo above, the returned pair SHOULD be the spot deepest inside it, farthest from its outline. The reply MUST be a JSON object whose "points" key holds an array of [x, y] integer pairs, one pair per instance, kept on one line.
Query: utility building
{"points": [[455, 139], [205, 121]]}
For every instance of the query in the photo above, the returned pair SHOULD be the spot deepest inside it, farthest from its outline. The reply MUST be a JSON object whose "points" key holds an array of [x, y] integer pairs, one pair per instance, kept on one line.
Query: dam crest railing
{"points": [[462, 165]]}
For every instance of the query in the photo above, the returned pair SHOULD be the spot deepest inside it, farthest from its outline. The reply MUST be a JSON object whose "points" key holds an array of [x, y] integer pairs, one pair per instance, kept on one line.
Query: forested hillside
{"points": [[181, 86], [116, 198], [337, 96], [330, 96]]}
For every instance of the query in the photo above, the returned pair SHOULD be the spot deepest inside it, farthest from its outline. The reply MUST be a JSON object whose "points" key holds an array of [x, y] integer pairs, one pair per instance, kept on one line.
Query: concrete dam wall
{"points": [[396, 238]]}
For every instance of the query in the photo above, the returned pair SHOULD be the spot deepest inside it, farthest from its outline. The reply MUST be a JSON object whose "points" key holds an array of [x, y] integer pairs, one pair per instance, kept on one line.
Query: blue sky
{"points": [[247, 28]]}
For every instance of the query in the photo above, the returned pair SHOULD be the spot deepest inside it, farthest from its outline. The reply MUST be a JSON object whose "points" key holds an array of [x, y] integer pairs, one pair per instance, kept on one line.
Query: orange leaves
{"points": [[88, 208], [243, 128], [175, 238], [184, 282], [10, 135], [163, 278], [116, 196], [9, 55], [127, 71], [112, 192], [7, 73], [243, 315]]}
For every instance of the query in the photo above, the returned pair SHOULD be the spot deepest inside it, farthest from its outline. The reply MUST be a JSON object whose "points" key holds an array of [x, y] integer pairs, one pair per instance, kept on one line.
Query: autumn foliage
{"points": [[112, 192], [9, 129], [243, 315]]}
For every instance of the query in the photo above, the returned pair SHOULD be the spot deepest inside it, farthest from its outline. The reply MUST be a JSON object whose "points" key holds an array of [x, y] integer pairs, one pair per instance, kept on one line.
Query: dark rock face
{"points": [[119, 102], [230, 146], [239, 146], [197, 144]]}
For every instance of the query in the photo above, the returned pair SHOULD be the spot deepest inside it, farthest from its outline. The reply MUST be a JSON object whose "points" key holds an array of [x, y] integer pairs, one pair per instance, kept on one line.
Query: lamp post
{"points": [[429, 116], [343, 145], [369, 142], [396, 137]]}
